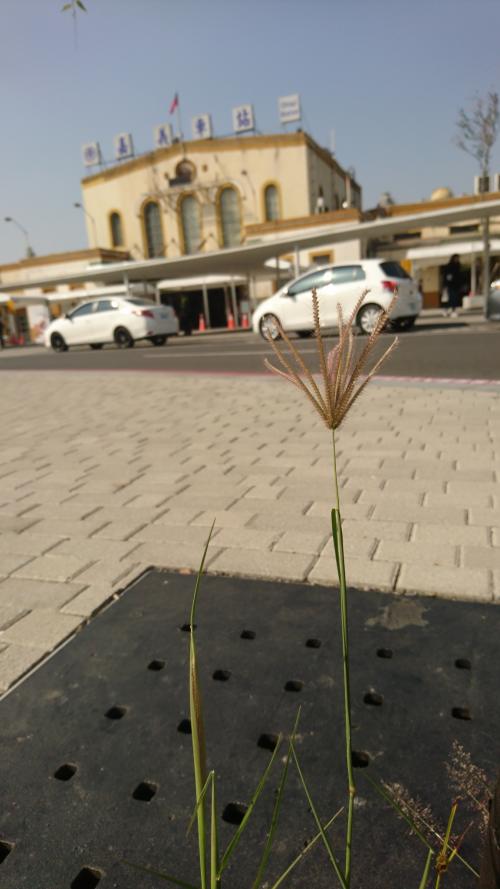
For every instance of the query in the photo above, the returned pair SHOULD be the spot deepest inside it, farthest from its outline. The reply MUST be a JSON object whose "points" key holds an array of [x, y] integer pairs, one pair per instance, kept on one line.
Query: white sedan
{"points": [[119, 320]]}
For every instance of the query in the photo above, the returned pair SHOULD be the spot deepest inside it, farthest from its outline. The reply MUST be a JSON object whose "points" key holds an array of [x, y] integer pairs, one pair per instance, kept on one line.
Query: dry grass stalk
{"points": [[342, 369], [470, 782]]}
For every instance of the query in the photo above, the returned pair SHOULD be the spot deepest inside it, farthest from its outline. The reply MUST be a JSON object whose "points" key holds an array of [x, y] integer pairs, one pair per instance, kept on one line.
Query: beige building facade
{"points": [[202, 195]]}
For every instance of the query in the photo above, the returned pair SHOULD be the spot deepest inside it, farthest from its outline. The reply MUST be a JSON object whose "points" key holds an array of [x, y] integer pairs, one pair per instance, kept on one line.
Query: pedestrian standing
{"points": [[2, 344], [452, 281]]}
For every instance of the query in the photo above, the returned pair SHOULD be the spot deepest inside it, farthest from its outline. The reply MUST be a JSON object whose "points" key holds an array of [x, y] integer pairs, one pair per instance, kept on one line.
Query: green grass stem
{"points": [[276, 810], [305, 851], [338, 545], [427, 870], [323, 835]]}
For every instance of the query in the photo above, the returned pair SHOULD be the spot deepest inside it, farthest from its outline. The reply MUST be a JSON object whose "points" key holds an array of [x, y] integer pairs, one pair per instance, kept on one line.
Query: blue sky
{"points": [[388, 77]]}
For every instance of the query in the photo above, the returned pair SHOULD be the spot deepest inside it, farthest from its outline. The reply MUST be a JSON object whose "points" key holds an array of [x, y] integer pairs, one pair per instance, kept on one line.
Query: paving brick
{"points": [[269, 507], [94, 548], [323, 508], [255, 563], [360, 573], [179, 516], [451, 534], [478, 516], [30, 594], [294, 522], [434, 580], [402, 551], [264, 492], [90, 600], [61, 528], [27, 543], [42, 629], [10, 613], [173, 555], [15, 661], [189, 534], [16, 524], [225, 518], [246, 538], [201, 503], [307, 542], [52, 567], [112, 571], [120, 529], [481, 557], [453, 499], [71, 511], [425, 515], [378, 530], [13, 562]]}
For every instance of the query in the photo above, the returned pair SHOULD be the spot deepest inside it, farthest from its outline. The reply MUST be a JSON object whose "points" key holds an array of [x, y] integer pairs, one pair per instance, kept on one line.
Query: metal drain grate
{"points": [[96, 746]]}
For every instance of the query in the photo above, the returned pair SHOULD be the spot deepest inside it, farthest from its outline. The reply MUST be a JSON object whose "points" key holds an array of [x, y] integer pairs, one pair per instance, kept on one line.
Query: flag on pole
{"points": [[174, 103]]}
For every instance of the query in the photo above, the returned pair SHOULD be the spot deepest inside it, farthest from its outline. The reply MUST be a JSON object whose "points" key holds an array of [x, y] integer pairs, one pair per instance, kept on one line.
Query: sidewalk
{"points": [[104, 476]]}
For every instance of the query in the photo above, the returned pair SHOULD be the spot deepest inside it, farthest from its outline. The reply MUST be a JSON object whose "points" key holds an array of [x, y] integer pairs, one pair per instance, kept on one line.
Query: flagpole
{"points": [[179, 122]]}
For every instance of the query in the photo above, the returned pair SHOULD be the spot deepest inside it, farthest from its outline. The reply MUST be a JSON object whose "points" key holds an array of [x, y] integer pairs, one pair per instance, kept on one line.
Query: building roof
{"points": [[211, 146], [249, 259]]}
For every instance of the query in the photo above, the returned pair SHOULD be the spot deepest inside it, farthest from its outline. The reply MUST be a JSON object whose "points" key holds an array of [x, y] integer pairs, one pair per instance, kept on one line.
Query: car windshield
{"points": [[139, 302], [393, 270]]}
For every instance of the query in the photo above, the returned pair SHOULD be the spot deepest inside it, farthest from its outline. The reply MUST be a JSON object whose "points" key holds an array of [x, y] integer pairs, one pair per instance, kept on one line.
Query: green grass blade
{"points": [[305, 851], [276, 810], [198, 803], [197, 730], [324, 837], [427, 868], [161, 876], [395, 805], [237, 836], [214, 841]]}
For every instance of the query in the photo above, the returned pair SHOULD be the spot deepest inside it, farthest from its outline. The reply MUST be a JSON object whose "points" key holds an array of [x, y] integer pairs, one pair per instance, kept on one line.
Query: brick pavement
{"points": [[103, 475]]}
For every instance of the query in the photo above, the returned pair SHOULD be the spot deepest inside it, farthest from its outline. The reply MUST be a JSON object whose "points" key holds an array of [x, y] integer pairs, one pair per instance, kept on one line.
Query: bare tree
{"points": [[477, 129]]}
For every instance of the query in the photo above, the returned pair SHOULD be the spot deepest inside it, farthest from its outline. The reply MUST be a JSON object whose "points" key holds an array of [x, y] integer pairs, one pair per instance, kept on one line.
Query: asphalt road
{"points": [[461, 349]]}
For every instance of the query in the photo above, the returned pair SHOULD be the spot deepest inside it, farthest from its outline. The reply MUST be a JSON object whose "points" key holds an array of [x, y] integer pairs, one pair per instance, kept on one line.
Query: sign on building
{"points": [[289, 108], [124, 147], [163, 135], [91, 153], [201, 126], [243, 119]]}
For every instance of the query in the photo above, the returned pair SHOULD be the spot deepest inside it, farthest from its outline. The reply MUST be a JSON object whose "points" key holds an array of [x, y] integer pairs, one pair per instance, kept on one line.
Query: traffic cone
{"points": [[230, 322], [244, 321], [201, 324]]}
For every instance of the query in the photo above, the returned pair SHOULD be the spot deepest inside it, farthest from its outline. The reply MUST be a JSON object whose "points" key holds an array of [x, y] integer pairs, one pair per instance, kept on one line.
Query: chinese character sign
{"points": [[124, 146], [289, 108], [243, 118], [91, 154], [201, 126], [163, 135]]}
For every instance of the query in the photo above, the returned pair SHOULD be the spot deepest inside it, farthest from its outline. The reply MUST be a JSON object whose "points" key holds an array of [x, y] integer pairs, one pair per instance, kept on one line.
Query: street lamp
{"points": [[29, 250], [82, 208]]}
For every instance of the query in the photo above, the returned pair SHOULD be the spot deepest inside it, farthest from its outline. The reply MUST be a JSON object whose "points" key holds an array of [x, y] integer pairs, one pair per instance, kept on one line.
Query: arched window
{"points": [[190, 221], [230, 217], [153, 230], [271, 203], [115, 224]]}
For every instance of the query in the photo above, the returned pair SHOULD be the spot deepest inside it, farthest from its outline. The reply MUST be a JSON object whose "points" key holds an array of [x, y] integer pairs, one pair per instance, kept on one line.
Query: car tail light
{"points": [[146, 313], [390, 285]]}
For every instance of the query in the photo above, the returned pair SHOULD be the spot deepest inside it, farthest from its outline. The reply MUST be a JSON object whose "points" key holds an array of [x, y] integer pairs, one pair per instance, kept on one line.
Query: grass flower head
{"points": [[342, 369]]}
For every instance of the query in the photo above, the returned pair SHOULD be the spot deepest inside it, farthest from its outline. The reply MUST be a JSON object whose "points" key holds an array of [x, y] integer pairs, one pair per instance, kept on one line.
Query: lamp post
{"points": [[82, 208], [29, 250]]}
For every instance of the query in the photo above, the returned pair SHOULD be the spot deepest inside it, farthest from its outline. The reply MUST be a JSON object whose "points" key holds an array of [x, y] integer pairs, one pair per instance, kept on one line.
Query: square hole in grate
{"points": [[5, 849], [65, 772], [145, 791], [88, 878]]}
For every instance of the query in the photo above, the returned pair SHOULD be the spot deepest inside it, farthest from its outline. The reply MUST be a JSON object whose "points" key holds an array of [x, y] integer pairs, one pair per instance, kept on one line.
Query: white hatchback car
{"points": [[341, 284], [120, 320]]}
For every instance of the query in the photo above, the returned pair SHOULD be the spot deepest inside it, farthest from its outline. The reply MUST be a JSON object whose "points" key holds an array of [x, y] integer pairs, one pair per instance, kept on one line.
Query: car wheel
{"points": [[58, 343], [269, 327], [159, 339], [123, 338], [367, 318], [407, 323], [96, 345], [304, 333]]}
